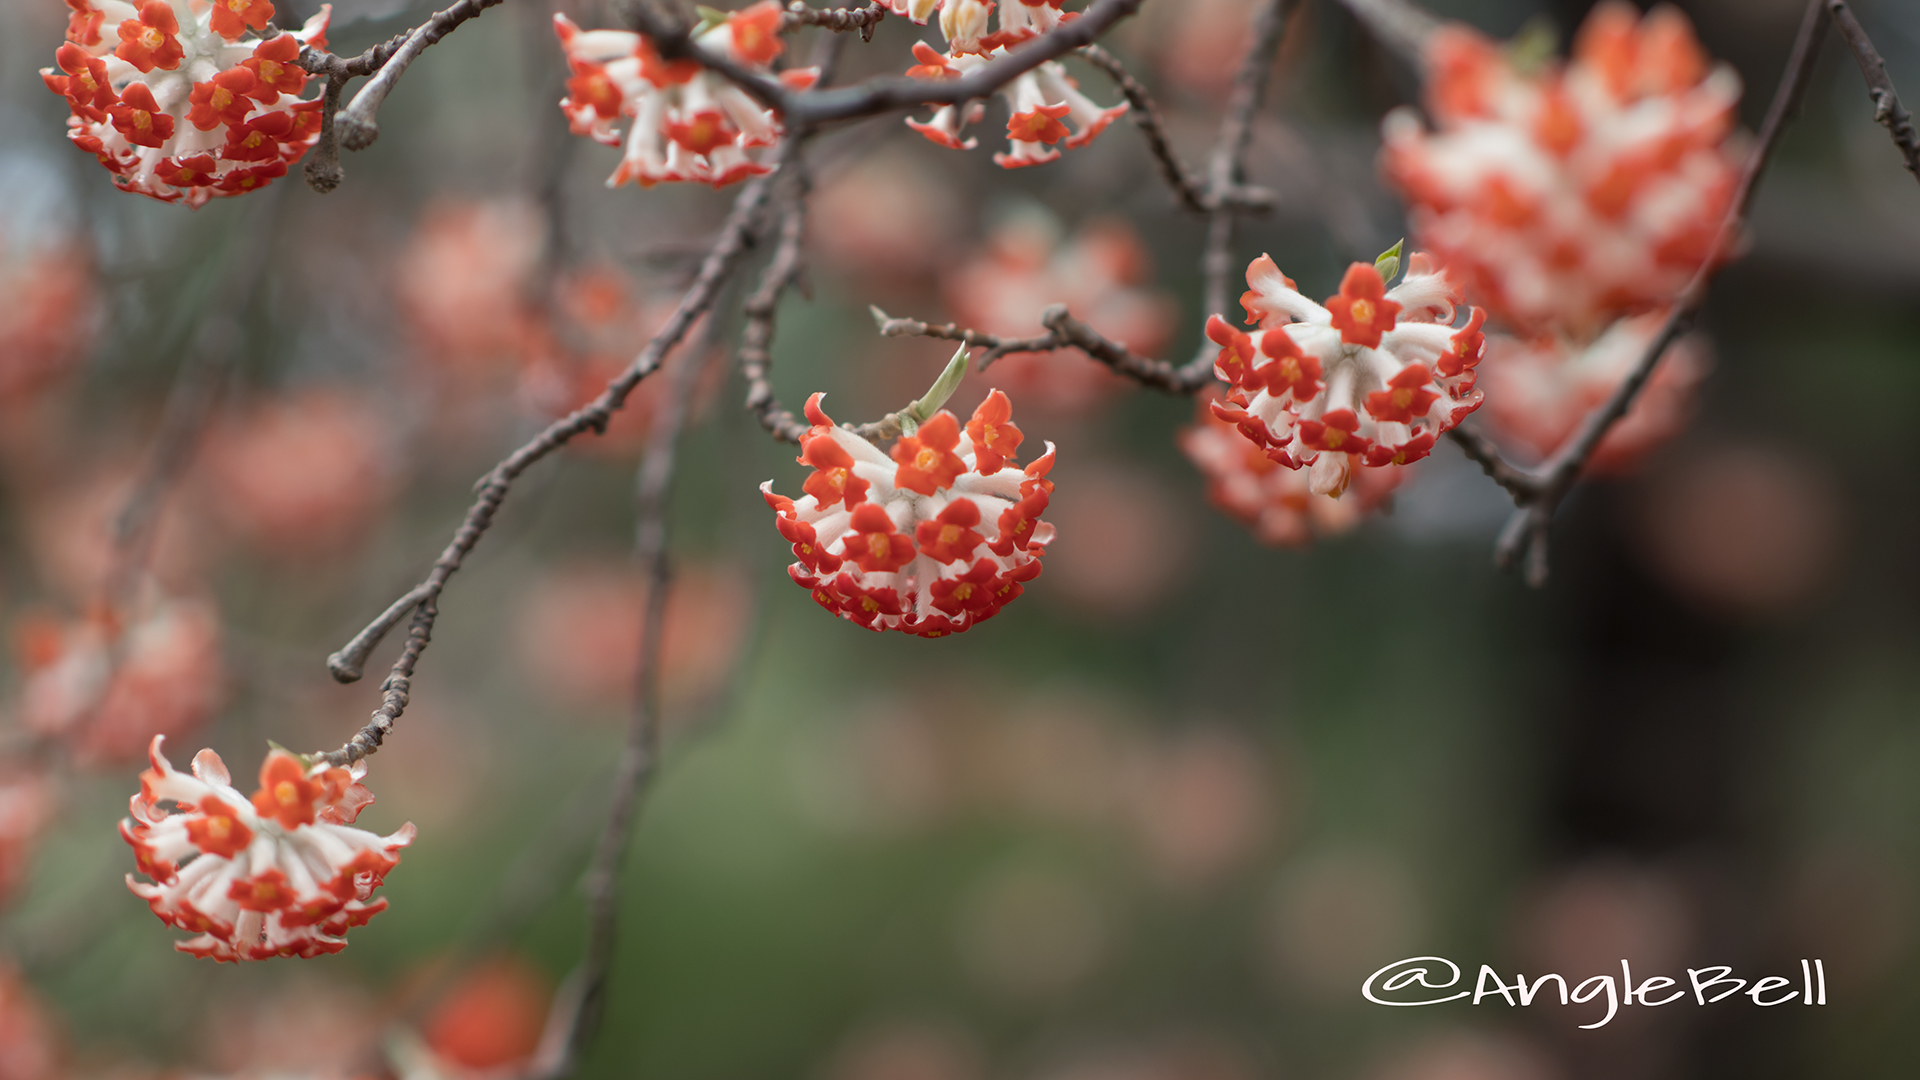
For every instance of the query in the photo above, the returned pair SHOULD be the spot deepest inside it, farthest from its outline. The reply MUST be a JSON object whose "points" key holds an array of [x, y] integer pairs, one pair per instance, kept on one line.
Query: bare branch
{"points": [[1229, 157], [756, 338], [838, 20], [1184, 379], [1886, 104], [1526, 535], [641, 754], [996, 346], [809, 108], [735, 237], [1518, 482], [1191, 189], [350, 663], [356, 126]]}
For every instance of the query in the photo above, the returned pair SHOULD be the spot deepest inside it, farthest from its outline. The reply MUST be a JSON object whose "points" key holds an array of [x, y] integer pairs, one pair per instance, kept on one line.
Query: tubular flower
{"points": [[282, 873], [929, 540], [684, 122], [1568, 196], [1277, 503], [184, 101], [1047, 110], [1372, 378], [1541, 390]]}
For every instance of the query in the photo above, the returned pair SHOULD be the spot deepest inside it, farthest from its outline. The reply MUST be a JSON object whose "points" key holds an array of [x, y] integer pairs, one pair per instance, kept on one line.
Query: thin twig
{"points": [[733, 242], [1517, 481], [356, 126], [1228, 160], [1886, 104], [1526, 534], [875, 96], [756, 337], [642, 751], [358, 123], [838, 20], [996, 346], [1192, 190]]}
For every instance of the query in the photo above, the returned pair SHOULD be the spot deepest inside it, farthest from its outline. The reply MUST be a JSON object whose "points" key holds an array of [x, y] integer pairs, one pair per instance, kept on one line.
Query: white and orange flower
{"points": [[1373, 378], [185, 101], [931, 539], [1047, 111], [283, 873], [1539, 391], [1277, 503], [1565, 197], [683, 121]]}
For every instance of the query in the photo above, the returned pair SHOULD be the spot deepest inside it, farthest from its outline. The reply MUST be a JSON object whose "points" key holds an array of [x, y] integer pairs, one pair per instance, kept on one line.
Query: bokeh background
{"points": [[1155, 822]]}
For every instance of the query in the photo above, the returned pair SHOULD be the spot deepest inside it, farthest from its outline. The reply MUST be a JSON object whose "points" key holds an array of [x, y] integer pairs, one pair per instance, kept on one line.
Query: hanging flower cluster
{"points": [[1100, 273], [1539, 391], [281, 874], [684, 122], [184, 101], [1047, 106], [1373, 378], [929, 540], [1565, 196], [1277, 503]]}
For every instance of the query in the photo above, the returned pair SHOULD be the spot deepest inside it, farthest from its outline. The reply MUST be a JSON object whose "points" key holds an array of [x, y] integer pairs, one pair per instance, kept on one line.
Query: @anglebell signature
{"points": [[1410, 983]]}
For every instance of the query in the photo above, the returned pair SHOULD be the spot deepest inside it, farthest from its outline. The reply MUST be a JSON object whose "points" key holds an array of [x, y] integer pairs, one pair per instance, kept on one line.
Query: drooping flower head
{"points": [[186, 101], [683, 121], [1539, 391], [1567, 196], [930, 539], [283, 873], [1373, 377], [1047, 111], [1277, 503]]}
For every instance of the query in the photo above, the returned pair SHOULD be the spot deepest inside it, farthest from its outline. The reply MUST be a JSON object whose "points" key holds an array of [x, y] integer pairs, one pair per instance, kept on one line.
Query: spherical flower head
{"points": [[185, 101], [1371, 379], [1540, 390], [282, 873], [929, 540], [1569, 195], [1277, 503], [684, 123]]}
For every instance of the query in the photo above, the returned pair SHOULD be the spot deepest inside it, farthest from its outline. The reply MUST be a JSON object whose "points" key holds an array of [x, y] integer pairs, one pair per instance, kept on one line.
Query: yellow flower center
{"points": [[1362, 311]]}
